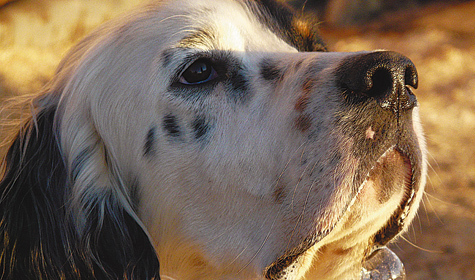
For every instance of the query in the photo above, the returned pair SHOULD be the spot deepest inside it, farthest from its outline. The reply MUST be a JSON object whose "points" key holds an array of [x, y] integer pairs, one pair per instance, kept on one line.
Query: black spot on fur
{"points": [[240, 87], [149, 146], [269, 70], [200, 127], [171, 126]]}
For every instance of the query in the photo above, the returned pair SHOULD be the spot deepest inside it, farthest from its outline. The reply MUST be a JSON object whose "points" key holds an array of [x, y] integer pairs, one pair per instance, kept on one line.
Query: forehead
{"points": [[240, 25]]}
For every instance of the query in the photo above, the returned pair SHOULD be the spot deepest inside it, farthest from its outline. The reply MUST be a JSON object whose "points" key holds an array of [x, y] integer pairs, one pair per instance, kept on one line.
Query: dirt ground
{"points": [[440, 39]]}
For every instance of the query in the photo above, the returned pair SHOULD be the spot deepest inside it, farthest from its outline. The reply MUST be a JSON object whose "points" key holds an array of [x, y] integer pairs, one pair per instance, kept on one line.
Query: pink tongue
{"points": [[383, 264]]}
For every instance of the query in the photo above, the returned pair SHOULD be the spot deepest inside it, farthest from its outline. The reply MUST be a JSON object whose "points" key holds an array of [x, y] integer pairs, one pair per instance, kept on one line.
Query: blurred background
{"points": [[439, 36]]}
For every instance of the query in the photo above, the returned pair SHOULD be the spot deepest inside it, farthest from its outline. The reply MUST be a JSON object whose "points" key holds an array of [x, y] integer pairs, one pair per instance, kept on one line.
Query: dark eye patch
{"points": [[196, 66], [229, 72]]}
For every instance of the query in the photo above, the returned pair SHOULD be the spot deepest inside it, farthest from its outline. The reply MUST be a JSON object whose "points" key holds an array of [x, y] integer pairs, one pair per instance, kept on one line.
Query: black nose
{"points": [[384, 76]]}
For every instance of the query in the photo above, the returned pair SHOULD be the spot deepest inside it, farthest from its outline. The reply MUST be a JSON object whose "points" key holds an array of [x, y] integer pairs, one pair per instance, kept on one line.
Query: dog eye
{"points": [[201, 71]]}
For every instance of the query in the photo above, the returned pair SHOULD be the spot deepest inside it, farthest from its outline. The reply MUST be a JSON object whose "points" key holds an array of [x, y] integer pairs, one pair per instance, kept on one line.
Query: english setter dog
{"points": [[204, 139]]}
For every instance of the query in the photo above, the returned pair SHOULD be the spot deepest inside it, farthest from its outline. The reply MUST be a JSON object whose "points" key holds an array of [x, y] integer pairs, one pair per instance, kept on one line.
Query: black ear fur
{"points": [[38, 236]]}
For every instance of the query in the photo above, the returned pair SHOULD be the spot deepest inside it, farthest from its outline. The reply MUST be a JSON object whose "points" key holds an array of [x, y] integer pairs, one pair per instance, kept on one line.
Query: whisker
{"points": [[421, 248], [273, 222], [260, 247], [175, 16], [300, 217]]}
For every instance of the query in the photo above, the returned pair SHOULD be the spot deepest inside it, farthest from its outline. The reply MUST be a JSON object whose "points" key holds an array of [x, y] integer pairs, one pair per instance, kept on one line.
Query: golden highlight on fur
{"points": [[199, 139]]}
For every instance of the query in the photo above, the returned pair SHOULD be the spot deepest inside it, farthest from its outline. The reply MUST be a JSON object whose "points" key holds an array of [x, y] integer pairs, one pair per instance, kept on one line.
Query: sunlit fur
{"points": [[97, 185]]}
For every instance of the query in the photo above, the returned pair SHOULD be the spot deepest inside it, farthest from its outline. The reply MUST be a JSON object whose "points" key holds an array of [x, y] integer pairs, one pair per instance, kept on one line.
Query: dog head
{"points": [[222, 137]]}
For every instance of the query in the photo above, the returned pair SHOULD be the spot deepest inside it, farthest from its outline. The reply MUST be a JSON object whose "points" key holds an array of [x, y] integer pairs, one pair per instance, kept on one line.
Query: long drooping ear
{"points": [[39, 234], [32, 239]]}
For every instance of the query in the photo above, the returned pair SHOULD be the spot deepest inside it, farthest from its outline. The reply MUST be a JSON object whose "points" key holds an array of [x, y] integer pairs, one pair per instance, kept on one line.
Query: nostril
{"points": [[410, 76], [383, 77], [380, 83]]}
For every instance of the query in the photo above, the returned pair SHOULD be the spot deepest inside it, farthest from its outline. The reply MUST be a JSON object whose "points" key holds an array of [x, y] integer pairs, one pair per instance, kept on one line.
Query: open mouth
{"points": [[393, 170], [397, 220], [382, 263]]}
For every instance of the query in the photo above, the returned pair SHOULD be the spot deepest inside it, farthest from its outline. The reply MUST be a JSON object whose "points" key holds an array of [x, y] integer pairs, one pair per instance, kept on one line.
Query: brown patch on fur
{"points": [[308, 85], [341, 251], [302, 103], [298, 65], [303, 28], [306, 35], [303, 122], [279, 192], [303, 100]]}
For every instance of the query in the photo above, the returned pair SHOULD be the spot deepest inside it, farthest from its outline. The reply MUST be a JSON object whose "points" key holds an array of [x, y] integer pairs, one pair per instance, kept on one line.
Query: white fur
{"points": [[210, 209]]}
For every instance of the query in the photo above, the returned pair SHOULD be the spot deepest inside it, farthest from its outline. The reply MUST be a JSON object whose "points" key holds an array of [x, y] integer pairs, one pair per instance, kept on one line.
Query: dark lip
{"points": [[286, 264], [397, 221], [280, 268]]}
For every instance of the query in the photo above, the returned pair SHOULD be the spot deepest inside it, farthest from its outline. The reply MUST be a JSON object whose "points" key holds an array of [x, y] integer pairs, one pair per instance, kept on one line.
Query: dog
{"points": [[199, 139]]}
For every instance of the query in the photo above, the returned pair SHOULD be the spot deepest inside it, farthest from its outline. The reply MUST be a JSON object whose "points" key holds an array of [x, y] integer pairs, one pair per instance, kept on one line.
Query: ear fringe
{"points": [[117, 243], [39, 238], [32, 217]]}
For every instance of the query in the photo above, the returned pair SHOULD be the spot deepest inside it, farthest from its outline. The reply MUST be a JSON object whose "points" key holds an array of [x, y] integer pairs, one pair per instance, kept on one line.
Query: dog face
{"points": [[236, 143]]}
